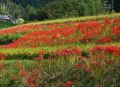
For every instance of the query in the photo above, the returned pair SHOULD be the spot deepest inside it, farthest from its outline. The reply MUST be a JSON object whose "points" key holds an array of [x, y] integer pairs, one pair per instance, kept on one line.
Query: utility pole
{"points": [[112, 6], [109, 5]]}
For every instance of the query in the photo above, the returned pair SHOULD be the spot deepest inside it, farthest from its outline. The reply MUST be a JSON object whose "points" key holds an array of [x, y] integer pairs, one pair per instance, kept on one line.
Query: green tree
{"points": [[31, 12]]}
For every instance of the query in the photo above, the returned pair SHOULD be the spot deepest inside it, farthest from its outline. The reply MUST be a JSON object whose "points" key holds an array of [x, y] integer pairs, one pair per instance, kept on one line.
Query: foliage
{"points": [[5, 24], [71, 8], [6, 39], [20, 21], [13, 9], [52, 9]]}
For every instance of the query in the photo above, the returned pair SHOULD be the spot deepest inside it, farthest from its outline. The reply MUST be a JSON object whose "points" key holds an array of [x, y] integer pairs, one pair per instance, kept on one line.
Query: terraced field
{"points": [[74, 52]]}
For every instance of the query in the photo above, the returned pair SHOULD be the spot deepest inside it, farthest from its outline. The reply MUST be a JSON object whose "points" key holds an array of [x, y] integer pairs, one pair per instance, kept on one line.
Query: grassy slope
{"points": [[83, 18], [11, 64], [47, 49], [53, 48]]}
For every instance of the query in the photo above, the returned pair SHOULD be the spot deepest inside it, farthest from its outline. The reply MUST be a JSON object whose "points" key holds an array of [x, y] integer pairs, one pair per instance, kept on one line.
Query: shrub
{"points": [[6, 39], [20, 21]]}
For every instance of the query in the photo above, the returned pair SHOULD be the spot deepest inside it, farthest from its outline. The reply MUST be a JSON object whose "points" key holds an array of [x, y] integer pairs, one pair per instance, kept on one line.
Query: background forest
{"points": [[51, 9]]}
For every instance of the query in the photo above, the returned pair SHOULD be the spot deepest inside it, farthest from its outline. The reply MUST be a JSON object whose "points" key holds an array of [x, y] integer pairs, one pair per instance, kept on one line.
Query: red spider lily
{"points": [[97, 48], [114, 50], [20, 66], [64, 52], [29, 79], [107, 21], [23, 74], [77, 66], [18, 63], [80, 57], [41, 52], [36, 76], [2, 56], [32, 85], [13, 77], [39, 58], [109, 61], [75, 50], [2, 66], [68, 84], [85, 68]]}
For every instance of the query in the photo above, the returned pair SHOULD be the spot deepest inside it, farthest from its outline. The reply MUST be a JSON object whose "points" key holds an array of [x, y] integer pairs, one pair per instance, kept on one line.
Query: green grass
{"points": [[5, 24], [52, 48], [30, 53]]}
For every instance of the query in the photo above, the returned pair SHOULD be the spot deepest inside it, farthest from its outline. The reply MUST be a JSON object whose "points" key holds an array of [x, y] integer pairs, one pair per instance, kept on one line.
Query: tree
{"points": [[31, 12]]}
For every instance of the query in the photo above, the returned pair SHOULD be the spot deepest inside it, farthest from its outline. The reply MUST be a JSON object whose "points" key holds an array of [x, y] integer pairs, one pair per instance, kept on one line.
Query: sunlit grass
{"points": [[52, 48]]}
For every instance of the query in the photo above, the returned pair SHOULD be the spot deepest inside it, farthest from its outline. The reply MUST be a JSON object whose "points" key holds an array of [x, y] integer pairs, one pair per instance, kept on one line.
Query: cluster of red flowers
{"points": [[66, 52], [112, 50], [2, 56], [20, 29], [85, 32]]}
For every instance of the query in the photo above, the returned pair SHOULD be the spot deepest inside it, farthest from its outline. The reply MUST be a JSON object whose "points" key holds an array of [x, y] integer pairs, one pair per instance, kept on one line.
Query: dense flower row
{"points": [[85, 32], [24, 29]]}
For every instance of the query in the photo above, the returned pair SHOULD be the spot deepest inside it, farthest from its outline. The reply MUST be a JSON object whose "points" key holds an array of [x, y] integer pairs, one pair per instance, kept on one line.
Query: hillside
{"points": [[60, 43], [72, 52]]}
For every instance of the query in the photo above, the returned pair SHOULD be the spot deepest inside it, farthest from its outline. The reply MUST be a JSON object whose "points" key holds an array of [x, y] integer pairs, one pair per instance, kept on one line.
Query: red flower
{"points": [[68, 84], [2, 56], [31, 85], [2, 66], [13, 77], [36, 76], [77, 66], [29, 79], [80, 58], [39, 58], [84, 67], [109, 61], [23, 74]]}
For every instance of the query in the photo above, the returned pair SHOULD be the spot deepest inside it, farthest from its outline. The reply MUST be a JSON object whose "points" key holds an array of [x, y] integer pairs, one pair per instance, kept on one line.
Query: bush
{"points": [[20, 21], [6, 39]]}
